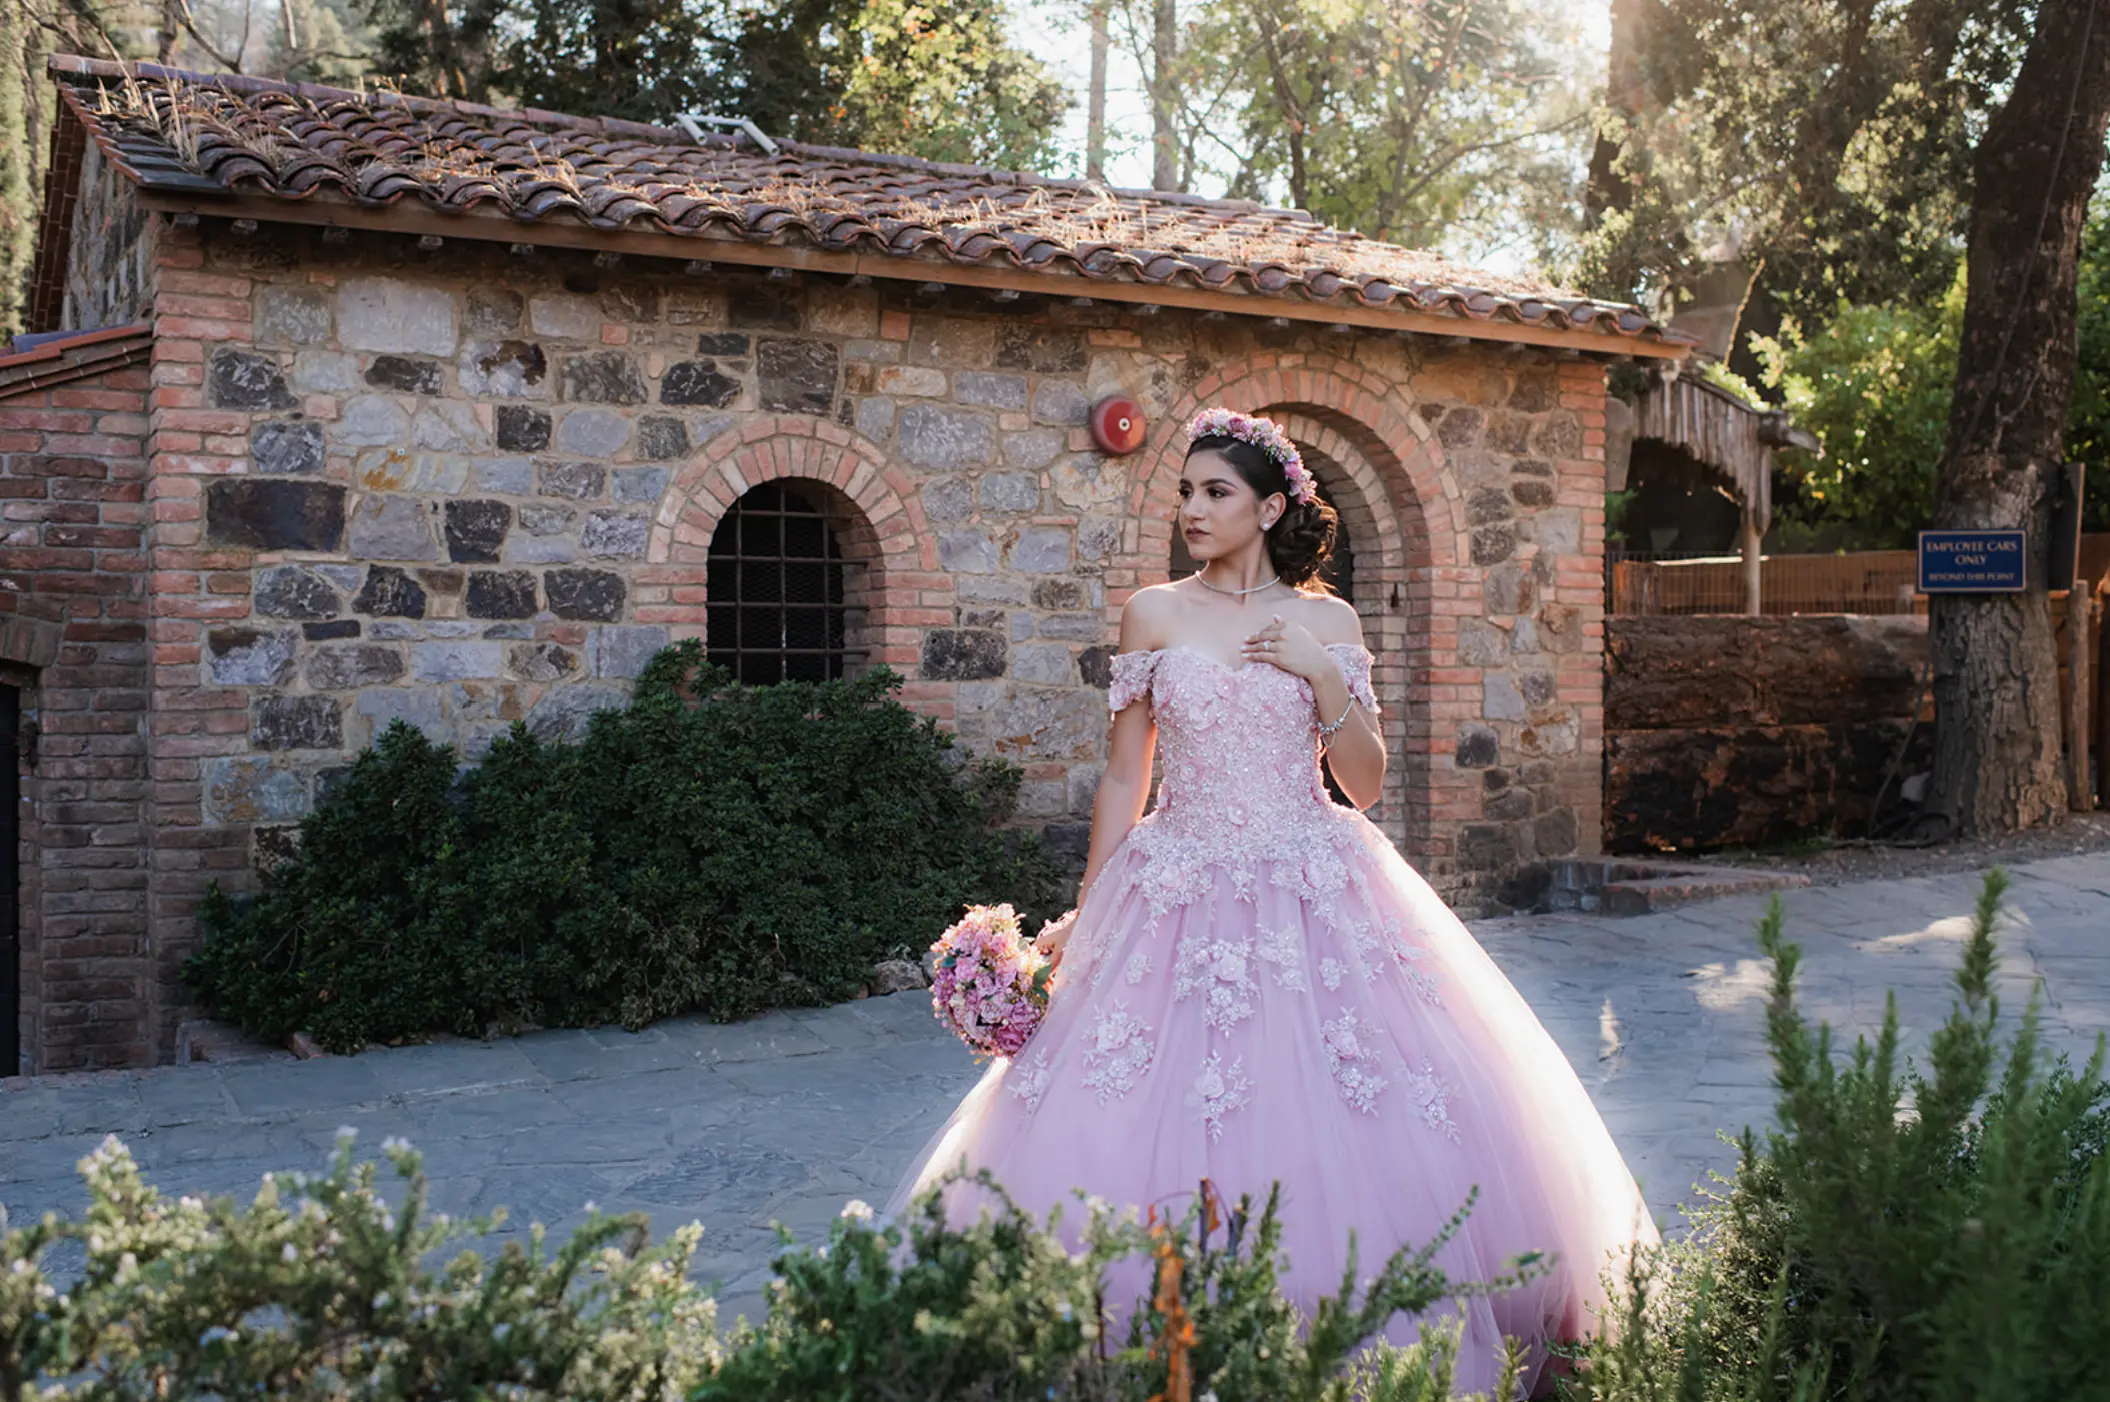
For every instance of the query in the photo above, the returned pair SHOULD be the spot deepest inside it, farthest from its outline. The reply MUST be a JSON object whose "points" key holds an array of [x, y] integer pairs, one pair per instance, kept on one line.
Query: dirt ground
{"points": [[1828, 865]]}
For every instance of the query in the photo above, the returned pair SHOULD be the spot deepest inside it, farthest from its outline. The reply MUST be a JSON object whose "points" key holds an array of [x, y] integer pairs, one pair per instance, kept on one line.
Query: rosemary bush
{"points": [[319, 1289], [712, 846], [1903, 1234]]}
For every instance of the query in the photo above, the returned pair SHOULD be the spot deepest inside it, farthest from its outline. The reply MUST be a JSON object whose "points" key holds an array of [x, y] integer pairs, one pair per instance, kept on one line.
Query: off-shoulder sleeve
{"points": [[1131, 679], [1355, 670]]}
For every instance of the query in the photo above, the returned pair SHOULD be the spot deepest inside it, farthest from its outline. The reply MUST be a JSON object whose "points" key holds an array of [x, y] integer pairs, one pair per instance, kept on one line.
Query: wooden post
{"points": [[1754, 574], [2102, 692], [2080, 633]]}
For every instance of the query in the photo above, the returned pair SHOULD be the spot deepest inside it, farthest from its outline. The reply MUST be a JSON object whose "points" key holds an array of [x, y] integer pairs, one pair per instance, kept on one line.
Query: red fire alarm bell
{"points": [[1117, 425]]}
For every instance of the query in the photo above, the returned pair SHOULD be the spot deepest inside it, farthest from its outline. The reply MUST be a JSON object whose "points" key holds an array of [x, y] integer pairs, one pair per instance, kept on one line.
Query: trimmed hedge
{"points": [[713, 846]]}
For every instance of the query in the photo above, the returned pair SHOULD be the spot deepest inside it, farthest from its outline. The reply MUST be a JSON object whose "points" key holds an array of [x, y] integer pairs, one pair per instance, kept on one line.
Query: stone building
{"points": [[385, 408]]}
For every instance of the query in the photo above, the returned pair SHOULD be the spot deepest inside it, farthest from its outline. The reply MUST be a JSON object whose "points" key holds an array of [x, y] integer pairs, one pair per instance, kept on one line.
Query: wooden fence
{"points": [[1871, 582], [2081, 623], [1865, 582]]}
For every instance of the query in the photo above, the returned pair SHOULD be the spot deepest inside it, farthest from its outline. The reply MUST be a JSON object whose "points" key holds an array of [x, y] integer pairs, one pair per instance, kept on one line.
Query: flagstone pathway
{"points": [[785, 1117]]}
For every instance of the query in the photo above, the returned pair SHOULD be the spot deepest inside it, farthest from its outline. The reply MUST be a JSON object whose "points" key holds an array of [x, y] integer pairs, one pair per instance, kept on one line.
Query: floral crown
{"points": [[1264, 434]]}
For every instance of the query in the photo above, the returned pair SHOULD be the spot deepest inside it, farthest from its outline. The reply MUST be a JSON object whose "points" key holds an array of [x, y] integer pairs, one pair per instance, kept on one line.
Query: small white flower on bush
{"points": [[857, 1210]]}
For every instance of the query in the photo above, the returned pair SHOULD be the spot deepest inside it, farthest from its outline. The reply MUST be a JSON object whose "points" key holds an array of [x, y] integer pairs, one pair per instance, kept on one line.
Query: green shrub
{"points": [[712, 846], [320, 1290], [1903, 1234], [1002, 1309]]}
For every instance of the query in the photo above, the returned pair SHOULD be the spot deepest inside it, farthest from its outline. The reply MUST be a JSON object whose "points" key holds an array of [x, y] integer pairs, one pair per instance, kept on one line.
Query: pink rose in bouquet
{"points": [[991, 986]]}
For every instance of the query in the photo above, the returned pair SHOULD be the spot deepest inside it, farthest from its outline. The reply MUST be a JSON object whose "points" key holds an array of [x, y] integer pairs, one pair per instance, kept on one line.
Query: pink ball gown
{"points": [[1259, 988]]}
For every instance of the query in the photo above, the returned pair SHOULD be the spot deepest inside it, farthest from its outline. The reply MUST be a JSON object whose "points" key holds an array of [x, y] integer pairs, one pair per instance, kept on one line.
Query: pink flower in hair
{"points": [[1264, 434]]}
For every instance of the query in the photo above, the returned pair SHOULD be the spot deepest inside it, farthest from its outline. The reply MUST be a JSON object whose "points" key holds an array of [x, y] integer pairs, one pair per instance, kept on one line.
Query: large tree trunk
{"points": [[1164, 78], [1627, 98], [1095, 100], [1997, 750]]}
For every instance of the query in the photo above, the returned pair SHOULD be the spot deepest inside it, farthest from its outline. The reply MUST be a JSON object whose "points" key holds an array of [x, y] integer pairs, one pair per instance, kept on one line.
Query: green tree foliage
{"points": [[932, 78], [937, 79], [641, 59], [1403, 121], [1828, 140], [2088, 425], [712, 847], [1874, 385], [440, 49], [1454, 123], [1923, 1234]]}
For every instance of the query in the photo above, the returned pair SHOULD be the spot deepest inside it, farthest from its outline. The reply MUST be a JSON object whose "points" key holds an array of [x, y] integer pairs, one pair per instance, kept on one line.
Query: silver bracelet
{"points": [[1326, 732]]}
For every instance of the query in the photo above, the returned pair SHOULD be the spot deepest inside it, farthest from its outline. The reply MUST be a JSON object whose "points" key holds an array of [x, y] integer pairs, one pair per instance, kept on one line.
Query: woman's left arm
{"points": [[1356, 754]]}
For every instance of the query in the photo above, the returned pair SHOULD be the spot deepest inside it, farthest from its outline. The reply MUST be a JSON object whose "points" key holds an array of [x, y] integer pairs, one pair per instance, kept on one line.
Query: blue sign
{"points": [[1972, 562]]}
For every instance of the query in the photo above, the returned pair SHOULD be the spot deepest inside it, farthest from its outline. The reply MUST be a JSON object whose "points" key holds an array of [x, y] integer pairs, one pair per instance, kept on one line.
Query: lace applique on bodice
{"points": [[1243, 793], [1239, 742]]}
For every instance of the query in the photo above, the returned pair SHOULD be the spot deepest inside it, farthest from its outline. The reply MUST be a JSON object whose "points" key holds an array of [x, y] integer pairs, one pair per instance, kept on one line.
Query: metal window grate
{"points": [[777, 607]]}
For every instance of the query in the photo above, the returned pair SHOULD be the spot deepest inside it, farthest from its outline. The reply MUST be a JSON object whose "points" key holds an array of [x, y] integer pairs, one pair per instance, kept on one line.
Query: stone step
{"points": [[1614, 887]]}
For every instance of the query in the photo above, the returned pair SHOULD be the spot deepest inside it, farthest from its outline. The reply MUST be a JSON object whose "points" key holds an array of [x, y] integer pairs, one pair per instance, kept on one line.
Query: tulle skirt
{"points": [[1322, 1021]]}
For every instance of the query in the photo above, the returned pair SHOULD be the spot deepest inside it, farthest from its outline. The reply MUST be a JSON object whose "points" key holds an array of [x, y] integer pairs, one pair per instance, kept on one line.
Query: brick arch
{"points": [[1405, 510], [879, 524], [1406, 465]]}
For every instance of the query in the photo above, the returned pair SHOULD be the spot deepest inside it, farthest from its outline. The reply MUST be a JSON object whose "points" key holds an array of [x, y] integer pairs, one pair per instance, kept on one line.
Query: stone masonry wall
{"points": [[1731, 731], [464, 487], [110, 263], [73, 636]]}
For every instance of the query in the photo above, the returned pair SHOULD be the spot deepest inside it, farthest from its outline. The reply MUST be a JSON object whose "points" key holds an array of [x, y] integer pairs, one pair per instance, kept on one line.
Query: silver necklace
{"points": [[1219, 589]]}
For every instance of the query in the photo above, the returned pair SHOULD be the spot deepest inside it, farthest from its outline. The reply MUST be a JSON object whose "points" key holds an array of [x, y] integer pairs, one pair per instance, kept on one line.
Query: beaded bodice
{"points": [[1241, 758]]}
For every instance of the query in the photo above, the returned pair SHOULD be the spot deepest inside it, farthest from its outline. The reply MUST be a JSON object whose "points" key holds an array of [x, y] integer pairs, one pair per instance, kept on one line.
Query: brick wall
{"points": [[73, 634], [464, 487]]}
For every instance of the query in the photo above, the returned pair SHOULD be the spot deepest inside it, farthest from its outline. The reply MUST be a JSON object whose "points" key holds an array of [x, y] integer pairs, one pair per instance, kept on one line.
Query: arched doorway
{"points": [[1403, 512]]}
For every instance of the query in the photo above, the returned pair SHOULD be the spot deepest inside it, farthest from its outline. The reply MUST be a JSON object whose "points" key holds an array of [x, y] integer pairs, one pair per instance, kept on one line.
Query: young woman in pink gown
{"points": [[1256, 987]]}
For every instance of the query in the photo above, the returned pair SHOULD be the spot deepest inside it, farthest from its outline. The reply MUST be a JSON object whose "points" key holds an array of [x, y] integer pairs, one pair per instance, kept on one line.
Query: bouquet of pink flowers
{"points": [[991, 985]]}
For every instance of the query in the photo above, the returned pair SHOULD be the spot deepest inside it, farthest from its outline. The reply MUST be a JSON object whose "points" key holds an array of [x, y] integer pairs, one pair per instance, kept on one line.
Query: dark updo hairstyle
{"points": [[1303, 536]]}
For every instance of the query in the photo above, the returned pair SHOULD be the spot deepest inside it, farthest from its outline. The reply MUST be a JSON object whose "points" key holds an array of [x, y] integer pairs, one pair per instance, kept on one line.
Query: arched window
{"points": [[779, 607]]}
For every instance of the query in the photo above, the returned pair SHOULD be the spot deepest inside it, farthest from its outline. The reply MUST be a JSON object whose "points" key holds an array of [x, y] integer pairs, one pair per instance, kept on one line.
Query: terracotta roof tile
{"points": [[188, 133], [43, 359]]}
